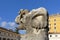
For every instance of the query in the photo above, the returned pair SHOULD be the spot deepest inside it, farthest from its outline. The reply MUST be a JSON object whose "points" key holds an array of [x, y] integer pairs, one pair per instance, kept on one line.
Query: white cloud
{"points": [[8, 25], [11, 23], [4, 23]]}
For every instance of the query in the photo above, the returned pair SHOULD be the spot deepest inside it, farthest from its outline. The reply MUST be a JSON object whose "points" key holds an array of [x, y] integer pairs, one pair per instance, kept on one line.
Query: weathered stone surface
{"points": [[40, 35], [19, 18], [35, 24]]}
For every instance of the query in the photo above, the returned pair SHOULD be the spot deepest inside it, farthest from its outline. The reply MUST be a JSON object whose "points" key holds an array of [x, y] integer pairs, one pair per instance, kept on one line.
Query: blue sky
{"points": [[9, 9]]}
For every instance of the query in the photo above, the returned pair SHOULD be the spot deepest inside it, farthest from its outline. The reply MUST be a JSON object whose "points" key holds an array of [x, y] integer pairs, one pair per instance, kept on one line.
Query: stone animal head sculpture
{"points": [[35, 23], [19, 18], [37, 18]]}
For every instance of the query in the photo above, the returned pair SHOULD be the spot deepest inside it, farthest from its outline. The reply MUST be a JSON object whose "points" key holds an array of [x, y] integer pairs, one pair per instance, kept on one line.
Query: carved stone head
{"points": [[19, 19], [36, 18]]}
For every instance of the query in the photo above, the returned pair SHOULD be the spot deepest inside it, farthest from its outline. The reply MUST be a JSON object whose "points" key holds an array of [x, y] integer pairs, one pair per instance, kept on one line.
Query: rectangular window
{"points": [[0, 32], [4, 38], [54, 19], [8, 39], [54, 27], [0, 38], [54, 23]]}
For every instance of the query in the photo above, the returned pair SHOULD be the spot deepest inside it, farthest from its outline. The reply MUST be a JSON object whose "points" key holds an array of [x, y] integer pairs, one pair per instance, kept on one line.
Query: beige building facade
{"points": [[54, 27], [8, 35]]}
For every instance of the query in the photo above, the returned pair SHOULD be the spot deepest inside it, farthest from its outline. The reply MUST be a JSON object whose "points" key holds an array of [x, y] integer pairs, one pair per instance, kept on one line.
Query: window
{"points": [[0, 32], [54, 23], [4, 38], [54, 27], [50, 35], [54, 19], [0, 38], [56, 35], [8, 39]]}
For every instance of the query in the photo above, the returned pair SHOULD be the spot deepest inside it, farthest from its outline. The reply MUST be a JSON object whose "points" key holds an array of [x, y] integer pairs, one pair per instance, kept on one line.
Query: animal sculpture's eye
{"points": [[23, 13]]}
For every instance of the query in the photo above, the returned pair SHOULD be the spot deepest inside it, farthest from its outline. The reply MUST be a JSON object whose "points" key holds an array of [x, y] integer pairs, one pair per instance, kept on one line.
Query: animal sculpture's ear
{"points": [[20, 11], [42, 10], [23, 11]]}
